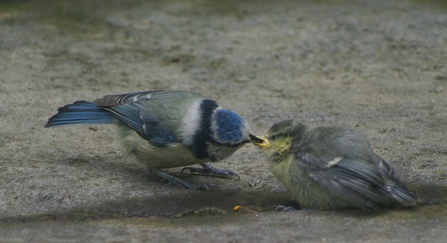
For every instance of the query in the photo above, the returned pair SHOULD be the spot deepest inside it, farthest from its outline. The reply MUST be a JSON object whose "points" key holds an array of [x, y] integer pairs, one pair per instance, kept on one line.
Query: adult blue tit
{"points": [[331, 167], [166, 129]]}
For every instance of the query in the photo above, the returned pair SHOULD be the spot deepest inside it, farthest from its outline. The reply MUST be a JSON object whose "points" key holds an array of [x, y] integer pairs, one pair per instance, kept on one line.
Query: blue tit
{"points": [[331, 167], [166, 129]]}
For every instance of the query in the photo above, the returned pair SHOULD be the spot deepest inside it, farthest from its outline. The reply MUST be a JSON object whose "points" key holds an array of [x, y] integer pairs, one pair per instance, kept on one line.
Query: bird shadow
{"points": [[182, 202], [203, 203]]}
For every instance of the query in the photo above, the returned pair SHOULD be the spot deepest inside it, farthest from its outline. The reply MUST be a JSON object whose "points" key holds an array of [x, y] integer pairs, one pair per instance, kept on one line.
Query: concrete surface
{"points": [[379, 66]]}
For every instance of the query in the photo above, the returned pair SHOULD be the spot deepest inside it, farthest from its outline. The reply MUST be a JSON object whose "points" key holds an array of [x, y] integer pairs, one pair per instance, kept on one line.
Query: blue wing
{"points": [[130, 109]]}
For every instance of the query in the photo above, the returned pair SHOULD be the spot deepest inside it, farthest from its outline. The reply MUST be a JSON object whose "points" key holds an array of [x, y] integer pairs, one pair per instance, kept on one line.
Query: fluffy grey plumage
{"points": [[332, 168]]}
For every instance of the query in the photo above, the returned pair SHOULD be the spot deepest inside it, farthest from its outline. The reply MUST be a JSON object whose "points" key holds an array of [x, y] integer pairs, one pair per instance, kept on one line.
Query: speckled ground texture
{"points": [[379, 66]]}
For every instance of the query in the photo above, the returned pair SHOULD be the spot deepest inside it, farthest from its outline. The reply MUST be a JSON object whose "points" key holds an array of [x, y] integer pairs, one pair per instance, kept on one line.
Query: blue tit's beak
{"points": [[260, 142]]}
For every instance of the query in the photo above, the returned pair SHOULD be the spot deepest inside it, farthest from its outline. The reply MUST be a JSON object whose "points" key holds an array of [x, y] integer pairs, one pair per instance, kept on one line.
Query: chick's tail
{"points": [[80, 112], [402, 194]]}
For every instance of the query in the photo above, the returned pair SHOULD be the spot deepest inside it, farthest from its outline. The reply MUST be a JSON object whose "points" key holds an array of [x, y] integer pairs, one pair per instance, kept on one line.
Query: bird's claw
{"points": [[213, 171], [172, 180]]}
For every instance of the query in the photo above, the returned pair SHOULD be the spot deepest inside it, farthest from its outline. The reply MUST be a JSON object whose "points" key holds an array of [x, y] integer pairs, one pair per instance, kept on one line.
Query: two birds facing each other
{"points": [[324, 168]]}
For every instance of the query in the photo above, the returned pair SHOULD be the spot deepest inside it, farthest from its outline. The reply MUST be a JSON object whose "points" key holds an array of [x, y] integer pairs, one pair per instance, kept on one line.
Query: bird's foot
{"points": [[186, 184], [283, 208], [213, 171]]}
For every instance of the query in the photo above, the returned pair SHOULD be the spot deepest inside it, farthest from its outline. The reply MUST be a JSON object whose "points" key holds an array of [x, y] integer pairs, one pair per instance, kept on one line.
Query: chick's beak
{"points": [[260, 142]]}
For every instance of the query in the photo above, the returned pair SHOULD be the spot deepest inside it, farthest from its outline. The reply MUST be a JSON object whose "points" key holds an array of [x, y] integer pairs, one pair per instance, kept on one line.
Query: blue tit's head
{"points": [[229, 128], [213, 132]]}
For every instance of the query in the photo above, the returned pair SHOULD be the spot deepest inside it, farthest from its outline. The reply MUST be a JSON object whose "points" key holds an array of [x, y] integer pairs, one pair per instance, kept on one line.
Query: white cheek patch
{"points": [[191, 122]]}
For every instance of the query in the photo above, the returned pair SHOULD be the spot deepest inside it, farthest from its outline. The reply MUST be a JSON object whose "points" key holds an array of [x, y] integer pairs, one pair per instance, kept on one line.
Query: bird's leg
{"points": [[213, 171], [179, 182]]}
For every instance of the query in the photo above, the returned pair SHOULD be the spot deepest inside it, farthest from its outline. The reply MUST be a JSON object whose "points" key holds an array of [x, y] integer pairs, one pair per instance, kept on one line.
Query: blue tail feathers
{"points": [[81, 112]]}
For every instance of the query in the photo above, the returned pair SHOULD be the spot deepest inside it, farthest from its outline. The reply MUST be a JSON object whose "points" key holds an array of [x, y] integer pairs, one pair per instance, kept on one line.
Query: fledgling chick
{"points": [[331, 167], [166, 129]]}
